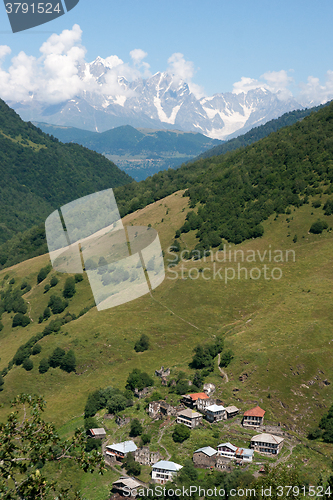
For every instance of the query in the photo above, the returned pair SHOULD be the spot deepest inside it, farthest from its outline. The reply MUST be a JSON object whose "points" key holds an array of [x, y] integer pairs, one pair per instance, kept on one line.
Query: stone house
{"points": [[146, 457], [205, 457], [97, 433], [230, 412]]}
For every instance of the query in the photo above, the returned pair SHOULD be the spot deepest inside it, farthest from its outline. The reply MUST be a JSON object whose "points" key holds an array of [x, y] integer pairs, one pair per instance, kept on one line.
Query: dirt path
{"points": [[223, 373], [170, 310], [29, 312], [168, 456]]}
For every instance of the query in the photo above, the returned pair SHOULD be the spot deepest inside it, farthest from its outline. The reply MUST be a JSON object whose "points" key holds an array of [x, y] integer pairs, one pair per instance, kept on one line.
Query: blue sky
{"points": [[224, 41]]}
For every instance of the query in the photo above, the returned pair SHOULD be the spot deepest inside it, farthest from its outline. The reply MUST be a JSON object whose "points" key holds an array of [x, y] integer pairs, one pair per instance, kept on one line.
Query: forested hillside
{"points": [[235, 192], [39, 174]]}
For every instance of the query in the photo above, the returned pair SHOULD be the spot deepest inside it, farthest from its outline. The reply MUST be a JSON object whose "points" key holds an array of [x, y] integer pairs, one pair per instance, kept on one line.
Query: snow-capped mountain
{"points": [[161, 101]]}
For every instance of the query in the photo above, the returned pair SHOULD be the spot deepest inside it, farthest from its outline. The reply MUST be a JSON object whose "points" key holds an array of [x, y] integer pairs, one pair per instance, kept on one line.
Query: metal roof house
{"points": [[215, 413], [163, 471], [120, 450]]}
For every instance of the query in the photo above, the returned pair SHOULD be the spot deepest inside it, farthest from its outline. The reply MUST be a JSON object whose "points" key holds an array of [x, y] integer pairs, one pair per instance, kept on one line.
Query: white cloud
{"points": [[4, 51], [313, 92], [274, 81], [184, 70]]}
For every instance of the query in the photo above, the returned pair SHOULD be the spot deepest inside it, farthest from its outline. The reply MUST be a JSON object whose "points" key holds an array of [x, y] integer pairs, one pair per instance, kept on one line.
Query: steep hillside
{"points": [[139, 152], [257, 133], [39, 174], [277, 324]]}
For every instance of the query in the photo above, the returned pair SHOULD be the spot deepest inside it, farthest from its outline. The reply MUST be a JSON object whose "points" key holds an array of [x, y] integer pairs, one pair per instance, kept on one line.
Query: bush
{"points": [[138, 380], [57, 305], [43, 366], [145, 438], [93, 444], [136, 428], [181, 433], [43, 273], [27, 364], [226, 358], [132, 467], [318, 227], [21, 354], [46, 313], [69, 288], [142, 344], [68, 363], [56, 357], [20, 320], [47, 288], [78, 278], [54, 281], [315, 433], [36, 349], [90, 423], [116, 403]]}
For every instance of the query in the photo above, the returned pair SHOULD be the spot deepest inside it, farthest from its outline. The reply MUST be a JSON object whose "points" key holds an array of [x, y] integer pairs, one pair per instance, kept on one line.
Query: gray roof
{"points": [[231, 409], [228, 445], [267, 438], [128, 482], [124, 447], [166, 465], [207, 450], [189, 413], [215, 408]]}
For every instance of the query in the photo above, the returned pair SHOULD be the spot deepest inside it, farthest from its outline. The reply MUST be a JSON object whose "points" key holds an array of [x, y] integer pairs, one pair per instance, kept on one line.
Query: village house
{"points": [[224, 464], [199, 400], [97, 433], [126, 486], [146, 457], [267, 443], [253, 417], [205, 457], [230, 412], [119, 451], [227, 450], [190, 418], [215, 413], [244, 454], [164, 471]]}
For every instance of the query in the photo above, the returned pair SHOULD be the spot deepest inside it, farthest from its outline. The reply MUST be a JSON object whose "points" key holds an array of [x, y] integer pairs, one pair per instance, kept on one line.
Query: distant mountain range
{"points": [[161, 101], [140, 152]]}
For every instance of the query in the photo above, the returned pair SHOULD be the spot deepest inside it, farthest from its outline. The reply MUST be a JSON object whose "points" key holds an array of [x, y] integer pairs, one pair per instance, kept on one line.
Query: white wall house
{"points": [[163, 471], [215, 413]]}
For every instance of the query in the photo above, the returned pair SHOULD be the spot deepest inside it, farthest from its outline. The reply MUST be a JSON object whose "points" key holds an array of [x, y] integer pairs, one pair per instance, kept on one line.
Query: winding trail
{"points": [[223, 373], [29, 312]]}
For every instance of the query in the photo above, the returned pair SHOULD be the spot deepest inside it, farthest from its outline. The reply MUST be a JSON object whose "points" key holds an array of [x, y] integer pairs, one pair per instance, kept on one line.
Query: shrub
{"points": [[318, 227], [12, 281], [136, 428], [132, 467], [68, 363], [54, 281], [43, 365], [138, 380], [27, 364], [56, 357], [142, 344], [78, 278], [145, 438], [226, 358], [43, 273], [57, 305], [36, 349], [69, 288], [93, 444], [20, 320], [180, 433], [47, 288], [46, 313], [90, 423]]}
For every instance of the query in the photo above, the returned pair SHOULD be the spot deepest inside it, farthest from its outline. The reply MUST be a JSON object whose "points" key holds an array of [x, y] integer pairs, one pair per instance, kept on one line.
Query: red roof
{"points": [[255, 412], [199, 395]]}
